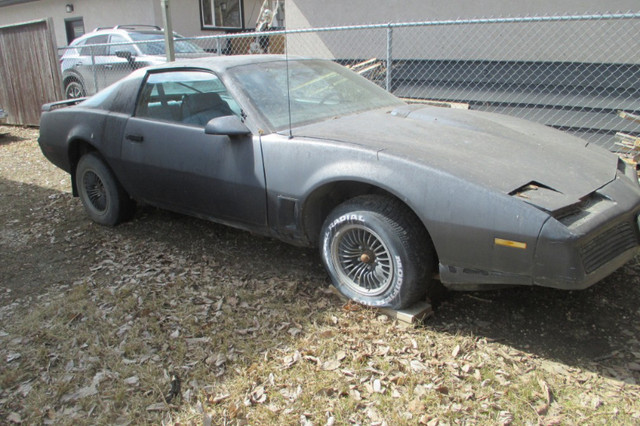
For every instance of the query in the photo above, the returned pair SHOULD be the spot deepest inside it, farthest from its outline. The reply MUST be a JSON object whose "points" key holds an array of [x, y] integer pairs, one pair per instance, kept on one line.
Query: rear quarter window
{"points": [[119, 97]]}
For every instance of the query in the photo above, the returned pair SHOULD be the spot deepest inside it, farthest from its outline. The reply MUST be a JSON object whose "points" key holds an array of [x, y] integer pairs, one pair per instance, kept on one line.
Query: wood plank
{"points": [[629, 116], [454, 105], [412, 315], [517, 95]]}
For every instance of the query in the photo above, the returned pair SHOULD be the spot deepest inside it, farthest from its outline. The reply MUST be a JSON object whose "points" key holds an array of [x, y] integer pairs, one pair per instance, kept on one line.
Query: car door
{"points": [[169, 161], [116, 64], [89, 63]]}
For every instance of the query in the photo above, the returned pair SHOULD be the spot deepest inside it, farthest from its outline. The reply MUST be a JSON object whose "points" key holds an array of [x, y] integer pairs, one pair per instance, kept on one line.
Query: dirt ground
{"points": [[47, 243]]}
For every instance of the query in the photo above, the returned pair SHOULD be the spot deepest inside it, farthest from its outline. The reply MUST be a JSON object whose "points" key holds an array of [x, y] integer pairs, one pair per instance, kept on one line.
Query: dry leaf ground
{"points": [[168, 319]]}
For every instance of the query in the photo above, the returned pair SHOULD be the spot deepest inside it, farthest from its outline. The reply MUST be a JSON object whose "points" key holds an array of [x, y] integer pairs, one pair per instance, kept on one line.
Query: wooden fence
{"points": [[29, 70]]}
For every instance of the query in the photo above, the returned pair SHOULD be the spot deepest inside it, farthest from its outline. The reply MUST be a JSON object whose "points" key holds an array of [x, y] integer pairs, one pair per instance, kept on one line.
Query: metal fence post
{"points": [[168, 31], [95, 71], [389, 57]]}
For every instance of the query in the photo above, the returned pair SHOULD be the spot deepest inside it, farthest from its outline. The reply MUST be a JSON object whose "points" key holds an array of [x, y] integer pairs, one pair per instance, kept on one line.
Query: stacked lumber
{"points": [[371, 68], [629, 144], [375, 69]]}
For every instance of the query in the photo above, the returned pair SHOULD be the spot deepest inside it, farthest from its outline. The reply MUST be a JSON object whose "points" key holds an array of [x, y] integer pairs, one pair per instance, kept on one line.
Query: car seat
{"points": [[199, 108]]}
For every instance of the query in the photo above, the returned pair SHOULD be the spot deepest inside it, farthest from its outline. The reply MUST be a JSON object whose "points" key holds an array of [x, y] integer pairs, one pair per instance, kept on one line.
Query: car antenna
{"points": [[286, 60]]}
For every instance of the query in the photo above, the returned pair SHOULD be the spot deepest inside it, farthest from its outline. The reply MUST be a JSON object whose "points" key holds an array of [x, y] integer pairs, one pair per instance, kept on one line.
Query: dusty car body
{"points": [[391, 193]]}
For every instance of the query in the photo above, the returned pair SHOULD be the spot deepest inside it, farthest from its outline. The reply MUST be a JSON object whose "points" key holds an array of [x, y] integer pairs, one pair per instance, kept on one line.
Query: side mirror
{"points": [[126, 55], [228, 125]]}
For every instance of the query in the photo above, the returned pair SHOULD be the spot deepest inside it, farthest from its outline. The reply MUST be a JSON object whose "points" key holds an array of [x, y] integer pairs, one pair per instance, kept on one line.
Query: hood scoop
{"points": [[524, 190], [543, 196]]}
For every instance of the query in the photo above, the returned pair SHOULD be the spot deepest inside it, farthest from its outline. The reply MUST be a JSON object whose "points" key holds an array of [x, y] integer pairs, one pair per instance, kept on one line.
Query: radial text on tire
{"points": [[377, 252]]}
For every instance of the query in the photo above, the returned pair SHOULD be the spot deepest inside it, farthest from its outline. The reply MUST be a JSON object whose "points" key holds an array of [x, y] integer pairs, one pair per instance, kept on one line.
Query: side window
{"points": [[115, 38], [189, 97], [76, 51], [95, 50]]}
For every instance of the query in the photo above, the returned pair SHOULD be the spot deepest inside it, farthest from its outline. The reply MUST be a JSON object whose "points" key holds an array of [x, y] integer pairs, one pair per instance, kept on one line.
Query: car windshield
{"points": [[318, 90], [181, 46]]}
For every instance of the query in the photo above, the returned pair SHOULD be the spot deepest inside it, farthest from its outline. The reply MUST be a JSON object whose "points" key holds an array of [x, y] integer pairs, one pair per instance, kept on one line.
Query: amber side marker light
{"points": [[510, 243]]}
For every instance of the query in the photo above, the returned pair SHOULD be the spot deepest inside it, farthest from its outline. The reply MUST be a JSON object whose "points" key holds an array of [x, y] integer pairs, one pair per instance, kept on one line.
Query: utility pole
{"points": [[168, 30]]}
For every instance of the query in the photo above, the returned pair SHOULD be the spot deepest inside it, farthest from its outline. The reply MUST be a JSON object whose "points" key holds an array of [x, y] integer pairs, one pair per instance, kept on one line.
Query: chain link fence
{"points": [[577, 73]]}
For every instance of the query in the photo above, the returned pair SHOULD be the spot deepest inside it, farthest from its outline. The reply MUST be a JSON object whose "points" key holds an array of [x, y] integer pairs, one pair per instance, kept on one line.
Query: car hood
{"points": [[545, 167]]}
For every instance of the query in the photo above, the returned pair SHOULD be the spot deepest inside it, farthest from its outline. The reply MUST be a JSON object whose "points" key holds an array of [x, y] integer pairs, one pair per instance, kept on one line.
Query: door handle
{"points": [[108, 67], [135, 138]]}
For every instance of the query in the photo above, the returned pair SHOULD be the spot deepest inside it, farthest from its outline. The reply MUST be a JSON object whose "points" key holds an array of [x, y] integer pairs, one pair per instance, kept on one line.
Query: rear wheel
{"points": [[377, 252], [104, 199], [74, 89]]}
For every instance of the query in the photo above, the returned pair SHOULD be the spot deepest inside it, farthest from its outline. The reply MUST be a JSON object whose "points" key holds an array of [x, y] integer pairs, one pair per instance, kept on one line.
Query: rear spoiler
{"points": [[61, 104]]}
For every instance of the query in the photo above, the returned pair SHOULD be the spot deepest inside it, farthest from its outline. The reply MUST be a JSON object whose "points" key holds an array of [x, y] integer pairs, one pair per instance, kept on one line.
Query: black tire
{"points": [[377, 252], [104, 199], [74, 89]]}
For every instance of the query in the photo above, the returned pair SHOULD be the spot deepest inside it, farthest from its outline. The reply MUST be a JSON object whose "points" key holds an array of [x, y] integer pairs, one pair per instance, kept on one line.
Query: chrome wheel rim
{"points": [[74, 90], [95, 191], [363, 261]]}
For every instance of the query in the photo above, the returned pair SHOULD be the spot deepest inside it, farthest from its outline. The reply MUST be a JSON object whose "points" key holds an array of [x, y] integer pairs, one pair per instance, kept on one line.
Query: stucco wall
{"points": [[579, 41], [102, 13], [327, 13], [95, 13], [314, 13]]}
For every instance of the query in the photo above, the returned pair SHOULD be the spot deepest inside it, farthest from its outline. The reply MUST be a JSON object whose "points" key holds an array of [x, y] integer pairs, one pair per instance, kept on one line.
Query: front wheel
{"points": [[377, 252], [104, 199]]}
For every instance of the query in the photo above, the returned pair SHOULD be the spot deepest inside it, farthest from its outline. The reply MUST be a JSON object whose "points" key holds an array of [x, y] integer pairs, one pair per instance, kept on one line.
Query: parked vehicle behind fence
{"points": [[105, 55]]}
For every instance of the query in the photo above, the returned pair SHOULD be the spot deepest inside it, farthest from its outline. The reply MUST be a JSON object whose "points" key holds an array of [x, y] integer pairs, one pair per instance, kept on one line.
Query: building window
{"points": [[221, 14]]}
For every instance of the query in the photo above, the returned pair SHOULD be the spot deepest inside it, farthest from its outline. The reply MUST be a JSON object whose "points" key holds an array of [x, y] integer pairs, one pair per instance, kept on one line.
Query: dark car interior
{"points": [[199, 108], [188, 102]]}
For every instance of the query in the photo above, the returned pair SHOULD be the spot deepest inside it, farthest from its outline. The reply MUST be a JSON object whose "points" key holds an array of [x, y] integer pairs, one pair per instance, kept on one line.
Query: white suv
{"points": [[105, 55]]}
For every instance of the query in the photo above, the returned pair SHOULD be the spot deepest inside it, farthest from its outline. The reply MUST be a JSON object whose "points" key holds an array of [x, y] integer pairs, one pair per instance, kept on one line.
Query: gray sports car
{"points": [[393, 194]]}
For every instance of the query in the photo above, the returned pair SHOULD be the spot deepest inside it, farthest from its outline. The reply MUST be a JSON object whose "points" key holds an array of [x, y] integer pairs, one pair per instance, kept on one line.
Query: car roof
{"points": [[124, 30], [131, 27]]}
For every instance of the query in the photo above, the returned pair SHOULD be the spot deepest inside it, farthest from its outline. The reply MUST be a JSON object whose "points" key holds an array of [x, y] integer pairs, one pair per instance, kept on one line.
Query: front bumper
{"points": [[579, 250]]}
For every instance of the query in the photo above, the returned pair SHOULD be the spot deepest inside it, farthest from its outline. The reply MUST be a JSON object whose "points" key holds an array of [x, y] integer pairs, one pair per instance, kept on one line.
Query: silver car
{"points": [[105, 55]]}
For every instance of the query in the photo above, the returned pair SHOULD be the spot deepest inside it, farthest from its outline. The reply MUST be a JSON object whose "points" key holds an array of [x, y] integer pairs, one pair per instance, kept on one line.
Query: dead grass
{"points": [[112, 320]]}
